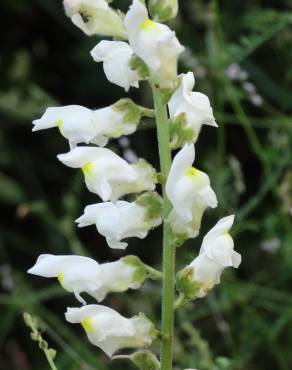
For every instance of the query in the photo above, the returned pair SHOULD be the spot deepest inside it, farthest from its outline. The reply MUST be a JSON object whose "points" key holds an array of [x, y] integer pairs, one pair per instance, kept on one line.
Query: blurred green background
{"points": [[241, 55]]}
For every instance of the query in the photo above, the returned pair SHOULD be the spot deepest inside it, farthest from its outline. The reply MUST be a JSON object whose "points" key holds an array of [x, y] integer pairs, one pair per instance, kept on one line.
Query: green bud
{"points": [[186, 283], [27, 319], [43, 344], [138, 65], [180, 134], [163, 10], [52, 353], [35, 336], [145, 360]]}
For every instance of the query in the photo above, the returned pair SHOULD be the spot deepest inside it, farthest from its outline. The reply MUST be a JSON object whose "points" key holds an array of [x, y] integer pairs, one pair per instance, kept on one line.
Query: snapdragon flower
{"points": [[78, 274], [82, 125], [108, 175], [95, 17], [119, 220], [110, 331], [188, 111], [116, 56], [155, 44], [216, 253], [190, 193], [76, 123]]}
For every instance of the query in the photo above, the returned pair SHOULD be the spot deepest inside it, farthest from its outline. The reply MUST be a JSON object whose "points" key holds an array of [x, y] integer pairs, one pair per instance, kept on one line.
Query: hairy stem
{"points": [[168, 261]]}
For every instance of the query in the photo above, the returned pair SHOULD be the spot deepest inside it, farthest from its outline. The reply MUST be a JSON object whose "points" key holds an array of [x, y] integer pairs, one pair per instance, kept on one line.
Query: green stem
{"points": [[153, 273], [180, 301], [168, 261]]}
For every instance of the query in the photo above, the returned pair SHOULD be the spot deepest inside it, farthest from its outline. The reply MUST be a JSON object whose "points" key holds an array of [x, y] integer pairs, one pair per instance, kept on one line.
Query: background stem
{"points": [[168, 261]]}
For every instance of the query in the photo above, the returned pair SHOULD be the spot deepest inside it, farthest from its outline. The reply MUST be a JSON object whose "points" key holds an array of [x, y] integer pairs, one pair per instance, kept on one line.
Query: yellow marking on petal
{"points": [[60, 278], [60, 124], [227, 234], [148, 25], [87, 169], [191, 172], [87, 325]]}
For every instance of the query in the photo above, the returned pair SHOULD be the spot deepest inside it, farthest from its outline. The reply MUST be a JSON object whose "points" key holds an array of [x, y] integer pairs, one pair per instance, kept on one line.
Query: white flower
{"points": [[216, 253], [190, 193], [192, 107], [76, 274], [110, 331], [95, 17], [155, 43], [115, 56], [120, 220], [107, 174], [82, 125], [80, 274], [76, 123]]}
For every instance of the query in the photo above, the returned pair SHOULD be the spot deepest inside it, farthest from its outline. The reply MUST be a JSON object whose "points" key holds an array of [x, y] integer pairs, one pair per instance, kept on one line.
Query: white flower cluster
{"points": [[151, 53]]}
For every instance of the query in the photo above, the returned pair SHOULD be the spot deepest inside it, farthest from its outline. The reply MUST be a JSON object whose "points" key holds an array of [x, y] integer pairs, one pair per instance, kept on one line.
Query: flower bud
{"points": [[96, 17], [163, 10]]}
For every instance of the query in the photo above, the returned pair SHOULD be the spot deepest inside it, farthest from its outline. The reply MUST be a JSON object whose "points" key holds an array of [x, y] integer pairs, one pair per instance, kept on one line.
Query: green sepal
{"points": [[153, 204], [166, 92], [138, 65], [132, 113], [151, 172], [142, 271], [153, 332], [145, 360], [180, 134], [179, 239], [186, 283]]}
